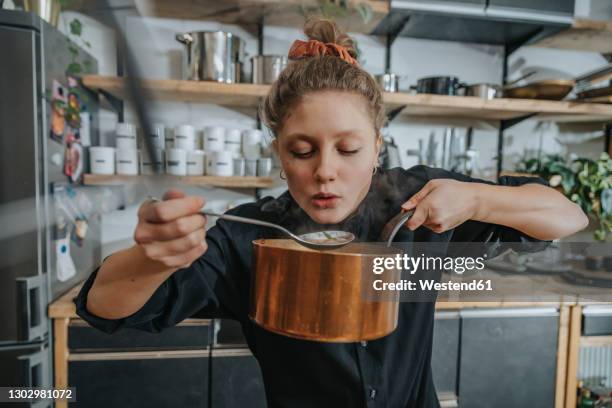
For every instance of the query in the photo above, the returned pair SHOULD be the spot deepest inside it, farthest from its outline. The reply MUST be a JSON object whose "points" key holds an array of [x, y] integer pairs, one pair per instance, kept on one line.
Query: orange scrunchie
{"points": [[316, 48]]}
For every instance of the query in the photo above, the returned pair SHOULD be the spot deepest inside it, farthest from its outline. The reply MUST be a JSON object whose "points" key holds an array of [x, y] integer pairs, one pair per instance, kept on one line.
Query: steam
{"points": [[388, 191]]}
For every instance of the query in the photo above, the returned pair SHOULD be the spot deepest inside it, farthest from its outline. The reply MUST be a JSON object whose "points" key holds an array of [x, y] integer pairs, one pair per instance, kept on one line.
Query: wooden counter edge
{"points": [[64, 307]]}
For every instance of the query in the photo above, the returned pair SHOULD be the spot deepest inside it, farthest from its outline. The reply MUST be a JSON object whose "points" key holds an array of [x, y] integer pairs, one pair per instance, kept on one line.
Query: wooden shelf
{"points": [[421, 105], [248, 13], [583, 35], [471, 107], [212, 181], [242, 95]]}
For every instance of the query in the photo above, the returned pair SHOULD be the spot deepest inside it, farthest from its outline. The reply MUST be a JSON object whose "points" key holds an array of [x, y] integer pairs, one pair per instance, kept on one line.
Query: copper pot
{"points": [[321, 295]]}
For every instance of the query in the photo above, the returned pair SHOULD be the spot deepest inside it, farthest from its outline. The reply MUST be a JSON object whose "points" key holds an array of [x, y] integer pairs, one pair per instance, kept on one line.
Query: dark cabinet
{"points": [[540, 7], [597, 321], [154, 380], [508, 358], [189, 334], [236, 379], [445, 356]]}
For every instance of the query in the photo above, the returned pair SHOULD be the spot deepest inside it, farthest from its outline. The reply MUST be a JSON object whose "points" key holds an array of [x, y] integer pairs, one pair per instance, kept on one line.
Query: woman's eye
{"points": [[348, 152], [302, 155]]}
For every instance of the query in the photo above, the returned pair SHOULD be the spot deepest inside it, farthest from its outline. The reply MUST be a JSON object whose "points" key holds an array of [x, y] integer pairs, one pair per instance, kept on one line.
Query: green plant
{"points": [[77, 66], [586, 182]]}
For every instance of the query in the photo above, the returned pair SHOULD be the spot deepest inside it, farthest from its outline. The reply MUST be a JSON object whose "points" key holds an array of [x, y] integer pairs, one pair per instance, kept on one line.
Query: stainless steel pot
{"points": [[213, 56], [388, 82], [485, 91], [444, 85], [266, 68]]}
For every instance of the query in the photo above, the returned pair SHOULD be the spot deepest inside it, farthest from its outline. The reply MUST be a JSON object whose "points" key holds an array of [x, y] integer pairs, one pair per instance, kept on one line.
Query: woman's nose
{"points": [[326, 169]]}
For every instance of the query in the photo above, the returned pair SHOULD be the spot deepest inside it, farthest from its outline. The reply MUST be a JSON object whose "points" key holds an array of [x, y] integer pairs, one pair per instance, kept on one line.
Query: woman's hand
{"points": [[172, 232], [538, 211], [442, 204]]}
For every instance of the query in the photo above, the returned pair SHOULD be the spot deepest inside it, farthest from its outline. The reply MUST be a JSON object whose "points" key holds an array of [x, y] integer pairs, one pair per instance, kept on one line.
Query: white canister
{"points": [[184, 137], [214, 138], [250, 167], [146, 164], [168, 138], [251, 143], [102, 160], [233, 141], [157, 136], [239, 167], [125, 136], [196, 160], [176, 162], [220, 163], [127, 161], [264, 167]]}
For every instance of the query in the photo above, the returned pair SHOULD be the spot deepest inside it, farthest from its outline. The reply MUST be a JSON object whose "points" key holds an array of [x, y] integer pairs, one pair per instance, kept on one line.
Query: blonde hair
{"points": [[321, 73]]}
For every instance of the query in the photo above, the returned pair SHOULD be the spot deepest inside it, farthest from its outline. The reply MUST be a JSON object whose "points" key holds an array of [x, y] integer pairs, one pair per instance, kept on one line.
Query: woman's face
{"points": [[328, 149]]}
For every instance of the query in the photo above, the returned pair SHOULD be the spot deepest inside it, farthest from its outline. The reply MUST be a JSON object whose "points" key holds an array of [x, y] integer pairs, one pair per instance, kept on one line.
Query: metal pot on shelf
{"points": [[319, 295], [440, 85], [267, 68], [485, 91], [388, 82], [213, 56]]}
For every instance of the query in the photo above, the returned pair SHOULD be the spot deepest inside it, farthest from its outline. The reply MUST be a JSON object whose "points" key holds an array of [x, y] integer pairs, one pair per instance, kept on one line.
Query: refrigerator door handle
{"points": [[32, 301], [36, 373]]}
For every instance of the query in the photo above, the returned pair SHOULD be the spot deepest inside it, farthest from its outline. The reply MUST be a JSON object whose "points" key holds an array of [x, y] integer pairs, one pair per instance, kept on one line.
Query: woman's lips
{"points": [[323, 200]]}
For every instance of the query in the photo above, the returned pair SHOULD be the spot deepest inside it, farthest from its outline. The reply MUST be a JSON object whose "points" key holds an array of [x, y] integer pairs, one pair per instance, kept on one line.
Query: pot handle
{"points": [[184, 38]]}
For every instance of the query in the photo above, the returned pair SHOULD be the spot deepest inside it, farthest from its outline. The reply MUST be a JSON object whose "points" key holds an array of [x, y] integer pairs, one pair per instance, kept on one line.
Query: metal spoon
{"points": [[321, 240], [314, 240]]}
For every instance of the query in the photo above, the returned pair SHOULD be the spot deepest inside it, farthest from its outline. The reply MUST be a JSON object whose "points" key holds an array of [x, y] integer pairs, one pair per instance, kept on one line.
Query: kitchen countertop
{"points": [[561, 294]]}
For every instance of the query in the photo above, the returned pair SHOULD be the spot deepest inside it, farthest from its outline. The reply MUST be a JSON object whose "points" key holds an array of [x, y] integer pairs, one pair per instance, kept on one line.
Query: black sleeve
{"points": [[211, 287], [497, 238]]}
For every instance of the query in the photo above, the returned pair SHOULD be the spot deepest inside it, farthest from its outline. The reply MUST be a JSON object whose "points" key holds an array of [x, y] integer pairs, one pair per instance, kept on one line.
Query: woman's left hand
{"points": [[442, 204]]}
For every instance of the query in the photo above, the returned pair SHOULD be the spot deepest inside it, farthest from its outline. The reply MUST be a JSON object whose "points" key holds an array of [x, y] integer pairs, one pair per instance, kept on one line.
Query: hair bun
{"points": [[326, 31]]}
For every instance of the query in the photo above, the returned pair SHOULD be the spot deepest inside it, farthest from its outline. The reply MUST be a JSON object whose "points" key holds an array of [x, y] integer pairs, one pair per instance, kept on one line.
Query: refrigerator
{"points": [[49, 230]]}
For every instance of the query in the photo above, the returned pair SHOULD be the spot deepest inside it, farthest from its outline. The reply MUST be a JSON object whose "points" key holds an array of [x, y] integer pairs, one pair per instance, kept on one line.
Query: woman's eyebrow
{"points": [[352, 133]]}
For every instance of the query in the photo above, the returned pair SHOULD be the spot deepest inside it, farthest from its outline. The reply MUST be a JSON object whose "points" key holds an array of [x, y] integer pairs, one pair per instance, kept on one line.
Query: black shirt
{"points": [[393, 371]]}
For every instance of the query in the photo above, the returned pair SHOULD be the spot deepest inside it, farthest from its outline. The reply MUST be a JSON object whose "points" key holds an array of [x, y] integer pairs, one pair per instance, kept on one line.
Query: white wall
{"points": [[161, 56]]}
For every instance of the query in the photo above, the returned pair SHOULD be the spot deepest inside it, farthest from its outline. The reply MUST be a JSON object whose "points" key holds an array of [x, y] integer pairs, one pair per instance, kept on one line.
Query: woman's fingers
{"points": [[158, 250], [185, 259], [148, 232], [419, 196], [419, 217], [170, 210]]}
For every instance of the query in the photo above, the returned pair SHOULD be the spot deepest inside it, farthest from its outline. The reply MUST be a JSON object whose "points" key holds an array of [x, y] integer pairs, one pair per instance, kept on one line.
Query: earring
{"points": [[283, 177], [375, 170]]}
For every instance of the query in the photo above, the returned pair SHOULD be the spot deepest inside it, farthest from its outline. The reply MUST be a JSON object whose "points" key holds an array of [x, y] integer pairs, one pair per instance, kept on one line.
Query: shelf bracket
{"points": [[508, 123], [392, 34], [115, 103], [392, 114]]}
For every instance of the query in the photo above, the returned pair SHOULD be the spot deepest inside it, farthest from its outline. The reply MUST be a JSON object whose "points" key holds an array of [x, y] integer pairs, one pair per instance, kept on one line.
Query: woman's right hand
{"points": [[172, 231]]}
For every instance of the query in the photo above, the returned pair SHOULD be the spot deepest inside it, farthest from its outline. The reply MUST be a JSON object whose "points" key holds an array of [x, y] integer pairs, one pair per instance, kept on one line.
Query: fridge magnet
{"points": [[58, 103], [65, 268], [73, 157]]}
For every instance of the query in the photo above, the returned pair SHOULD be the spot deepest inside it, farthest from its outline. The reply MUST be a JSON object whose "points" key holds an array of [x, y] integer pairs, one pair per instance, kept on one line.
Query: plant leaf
{"points": [[76, 27], [74, 68]]}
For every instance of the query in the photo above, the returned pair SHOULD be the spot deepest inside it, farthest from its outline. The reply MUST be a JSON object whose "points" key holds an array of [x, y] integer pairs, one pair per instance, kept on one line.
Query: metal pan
{"points": [[553, 89]]}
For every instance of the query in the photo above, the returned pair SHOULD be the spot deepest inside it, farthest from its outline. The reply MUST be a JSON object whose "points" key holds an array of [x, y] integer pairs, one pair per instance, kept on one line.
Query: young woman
{"points": [[326, 114]]}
